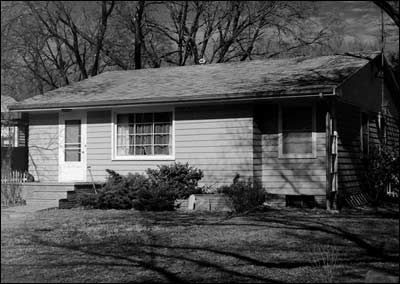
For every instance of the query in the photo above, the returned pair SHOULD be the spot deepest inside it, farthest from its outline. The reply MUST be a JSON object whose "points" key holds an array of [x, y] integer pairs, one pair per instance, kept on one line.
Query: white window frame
{"points": [[312, 155], [114, 155]]}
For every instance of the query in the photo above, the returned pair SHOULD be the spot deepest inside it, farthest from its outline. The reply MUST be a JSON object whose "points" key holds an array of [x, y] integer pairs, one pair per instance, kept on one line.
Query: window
{"points": [[297, 137], [143, 134], [72, 141], [9, 136]]}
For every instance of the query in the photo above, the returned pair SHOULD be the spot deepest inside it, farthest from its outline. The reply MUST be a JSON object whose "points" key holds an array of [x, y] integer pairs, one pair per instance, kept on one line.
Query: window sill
{"points": [[144, 158]]}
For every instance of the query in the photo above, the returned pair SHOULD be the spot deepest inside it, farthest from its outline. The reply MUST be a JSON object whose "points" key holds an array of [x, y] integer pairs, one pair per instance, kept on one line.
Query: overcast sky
{"points": [[360, 19]]}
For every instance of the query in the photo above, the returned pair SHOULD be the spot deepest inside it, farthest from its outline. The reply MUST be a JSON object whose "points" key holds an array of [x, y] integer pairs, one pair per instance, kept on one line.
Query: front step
{"points": [[48, 194], [66, 204]]}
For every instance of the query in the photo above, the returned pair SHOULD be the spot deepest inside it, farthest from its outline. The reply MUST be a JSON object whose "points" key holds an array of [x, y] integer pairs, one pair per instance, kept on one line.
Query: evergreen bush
{"points": [[155, 192], [244, 195]]}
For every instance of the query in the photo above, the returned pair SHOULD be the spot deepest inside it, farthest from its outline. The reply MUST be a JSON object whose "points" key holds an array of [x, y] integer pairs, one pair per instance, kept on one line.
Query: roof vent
{"points": [[202, 61]]}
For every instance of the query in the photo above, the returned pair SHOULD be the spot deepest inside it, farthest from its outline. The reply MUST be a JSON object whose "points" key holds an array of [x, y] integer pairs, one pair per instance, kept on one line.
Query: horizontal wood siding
{"points": [[217, 140], [99, 155], [43, 146], [350, 166], [392, 131], [289, 176]]}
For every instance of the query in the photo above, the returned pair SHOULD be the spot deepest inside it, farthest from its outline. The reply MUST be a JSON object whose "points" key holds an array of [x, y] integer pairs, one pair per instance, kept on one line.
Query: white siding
{"points": [[43, 146]]}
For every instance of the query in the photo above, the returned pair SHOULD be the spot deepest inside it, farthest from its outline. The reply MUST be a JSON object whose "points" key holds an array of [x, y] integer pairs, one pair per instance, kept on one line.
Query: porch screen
{"points": [[144, 134], [297, 130]]}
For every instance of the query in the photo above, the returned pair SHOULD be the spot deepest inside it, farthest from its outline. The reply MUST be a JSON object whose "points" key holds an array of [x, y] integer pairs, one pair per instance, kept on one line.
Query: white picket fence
{"points": [[391, 191], [13, 177]]}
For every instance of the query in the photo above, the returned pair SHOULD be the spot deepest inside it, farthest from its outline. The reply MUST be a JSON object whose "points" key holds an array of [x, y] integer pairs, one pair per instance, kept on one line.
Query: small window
{"points": [[143, 134], [297, 132]]}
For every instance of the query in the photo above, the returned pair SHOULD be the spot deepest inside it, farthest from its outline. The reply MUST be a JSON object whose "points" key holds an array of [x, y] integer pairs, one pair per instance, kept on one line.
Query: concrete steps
{"points": [[72, 196], [48, 194]]}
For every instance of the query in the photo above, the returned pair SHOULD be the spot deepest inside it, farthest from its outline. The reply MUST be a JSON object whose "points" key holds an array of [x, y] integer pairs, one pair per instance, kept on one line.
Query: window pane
{"points": [[72, 131], [143, 150], [161, 150], [296, 118], [122, 118], [144, 139], [122, 140], [122, 150], [72, 155], [122, 129], [131, 139], [162, 127], [161, 139], [297, 130], [144, 128], [163, 117], [144, 117], [296, 143]]}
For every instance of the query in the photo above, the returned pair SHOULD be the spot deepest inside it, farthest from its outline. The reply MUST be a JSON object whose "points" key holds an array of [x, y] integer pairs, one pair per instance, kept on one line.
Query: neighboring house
{"points": [[297, 126], [13, 137]]}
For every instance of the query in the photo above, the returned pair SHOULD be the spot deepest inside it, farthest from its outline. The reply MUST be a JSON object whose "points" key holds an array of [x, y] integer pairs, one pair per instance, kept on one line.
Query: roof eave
{"points": [[255, 96]]}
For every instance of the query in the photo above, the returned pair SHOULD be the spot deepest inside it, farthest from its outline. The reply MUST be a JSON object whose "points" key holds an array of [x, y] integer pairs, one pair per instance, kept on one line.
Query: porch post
{"points": [[331, 157]]}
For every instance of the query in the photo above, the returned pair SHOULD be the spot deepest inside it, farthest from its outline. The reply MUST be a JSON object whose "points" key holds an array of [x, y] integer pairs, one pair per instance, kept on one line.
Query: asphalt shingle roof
{"points": [[257, 78]]}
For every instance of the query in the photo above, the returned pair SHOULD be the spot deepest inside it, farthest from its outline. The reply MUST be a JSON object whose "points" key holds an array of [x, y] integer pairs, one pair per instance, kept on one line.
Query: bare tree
{"points": [[230, 30], [391, 8], [60, 23]]}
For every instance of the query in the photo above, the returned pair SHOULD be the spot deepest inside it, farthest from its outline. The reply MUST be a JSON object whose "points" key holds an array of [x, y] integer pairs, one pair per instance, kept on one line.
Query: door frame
{"points": [[75, 114]]}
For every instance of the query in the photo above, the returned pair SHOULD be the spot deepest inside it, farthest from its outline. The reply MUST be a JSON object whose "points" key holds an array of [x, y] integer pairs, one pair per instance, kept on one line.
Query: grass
{"points": [[129, 246]]}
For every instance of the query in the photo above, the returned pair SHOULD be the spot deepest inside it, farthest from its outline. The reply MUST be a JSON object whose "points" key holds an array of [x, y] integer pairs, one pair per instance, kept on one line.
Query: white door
{"points": [[72, 146]]}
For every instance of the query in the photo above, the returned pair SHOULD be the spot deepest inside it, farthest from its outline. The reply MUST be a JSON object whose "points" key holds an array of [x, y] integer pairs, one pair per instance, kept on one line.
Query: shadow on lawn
{"points": [[156, 254], [314, 225], [142, 255]]}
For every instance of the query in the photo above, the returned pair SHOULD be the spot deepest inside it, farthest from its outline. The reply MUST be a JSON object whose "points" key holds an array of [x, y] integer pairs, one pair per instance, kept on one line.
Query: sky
{"points": [[361, 19]]}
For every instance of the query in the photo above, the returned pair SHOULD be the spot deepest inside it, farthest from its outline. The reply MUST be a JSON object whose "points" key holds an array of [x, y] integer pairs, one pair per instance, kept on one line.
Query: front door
{"points": [[72, 146]]}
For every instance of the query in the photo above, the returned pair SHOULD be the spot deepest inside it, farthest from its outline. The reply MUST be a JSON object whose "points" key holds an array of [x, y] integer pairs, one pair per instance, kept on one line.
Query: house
{"points": [[13, 138], [296, 126]]}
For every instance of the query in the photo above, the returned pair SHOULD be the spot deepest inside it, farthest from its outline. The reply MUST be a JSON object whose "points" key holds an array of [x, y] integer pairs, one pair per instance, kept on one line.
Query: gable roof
{"points": [[239, 80]]}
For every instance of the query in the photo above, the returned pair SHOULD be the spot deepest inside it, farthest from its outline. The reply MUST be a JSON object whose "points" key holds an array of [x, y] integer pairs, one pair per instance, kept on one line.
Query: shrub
{"points": [[11, 194], [156, 192], [382, 167], [157, 197], [243, 195], [87, 200], [117, 193], [181, 178], [325, 258]]}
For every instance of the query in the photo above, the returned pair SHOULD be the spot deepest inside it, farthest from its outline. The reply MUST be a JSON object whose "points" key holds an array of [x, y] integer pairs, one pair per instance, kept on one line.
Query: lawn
{"points": [[129, 246]]}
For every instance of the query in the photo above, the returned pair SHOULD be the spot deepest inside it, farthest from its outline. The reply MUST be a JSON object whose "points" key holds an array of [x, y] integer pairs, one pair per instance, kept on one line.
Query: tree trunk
{"points": [[139, 34]]}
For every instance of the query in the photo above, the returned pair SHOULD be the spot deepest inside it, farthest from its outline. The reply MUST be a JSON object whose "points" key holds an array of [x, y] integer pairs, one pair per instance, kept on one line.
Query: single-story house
{"points": [[296, 126]]}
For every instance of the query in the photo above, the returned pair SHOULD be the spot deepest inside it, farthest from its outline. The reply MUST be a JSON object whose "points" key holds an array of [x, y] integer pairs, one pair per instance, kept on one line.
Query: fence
{"points": [[14, 177], [392, 192]]}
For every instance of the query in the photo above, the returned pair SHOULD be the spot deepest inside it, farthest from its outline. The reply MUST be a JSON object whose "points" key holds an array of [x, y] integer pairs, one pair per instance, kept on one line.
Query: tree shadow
{"points": [[142, 255], [299, 223]]}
